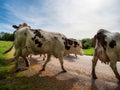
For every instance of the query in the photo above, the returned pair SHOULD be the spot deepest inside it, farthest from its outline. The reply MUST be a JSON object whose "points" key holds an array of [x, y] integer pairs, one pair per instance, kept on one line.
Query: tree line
{"points": [[86, 42], [5, 36]]}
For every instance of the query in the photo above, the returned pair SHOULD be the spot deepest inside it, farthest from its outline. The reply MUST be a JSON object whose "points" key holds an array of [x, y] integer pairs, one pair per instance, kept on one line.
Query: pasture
{"points": [[15, 81], [88, 51], [4, 65]]}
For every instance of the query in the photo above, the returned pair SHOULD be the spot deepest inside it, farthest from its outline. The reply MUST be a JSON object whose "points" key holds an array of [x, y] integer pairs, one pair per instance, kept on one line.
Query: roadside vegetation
{"points": [[89, 52], [88, 46], [4, 65]]}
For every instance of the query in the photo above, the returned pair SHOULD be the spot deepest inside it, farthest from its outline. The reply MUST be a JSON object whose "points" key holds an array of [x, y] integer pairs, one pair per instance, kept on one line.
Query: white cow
{"points": [[107, 50], [75, 48], [36, 41]]}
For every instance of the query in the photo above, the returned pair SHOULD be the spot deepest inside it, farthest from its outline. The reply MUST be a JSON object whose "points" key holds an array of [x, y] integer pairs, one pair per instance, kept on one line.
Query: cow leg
{"points": [[24, 56], [16, 64], [48, 59], [44, 57], [76, 55], [114, 68], [26, 61], [94, 62], [61, 62], [30, 55], [16, 57]]}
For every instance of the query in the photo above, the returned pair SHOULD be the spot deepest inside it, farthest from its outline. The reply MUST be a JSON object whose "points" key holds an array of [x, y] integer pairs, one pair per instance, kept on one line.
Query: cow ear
{"points": [[29, 27], [15, 26]]}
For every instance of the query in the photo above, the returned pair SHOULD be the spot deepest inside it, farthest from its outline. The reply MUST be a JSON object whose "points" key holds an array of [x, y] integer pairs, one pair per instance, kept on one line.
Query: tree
{"points": [[87, 43], [6, 36]]}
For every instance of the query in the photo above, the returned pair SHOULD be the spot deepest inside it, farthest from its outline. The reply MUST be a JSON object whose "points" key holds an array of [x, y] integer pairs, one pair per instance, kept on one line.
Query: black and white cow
{"points": [[36, 41], [107, 50], [75, 47]]}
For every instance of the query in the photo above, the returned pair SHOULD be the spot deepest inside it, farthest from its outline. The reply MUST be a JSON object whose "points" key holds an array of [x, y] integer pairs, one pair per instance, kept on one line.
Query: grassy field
{"points": [[4, 66], [12, 81], [88, 51], [4, 46]]}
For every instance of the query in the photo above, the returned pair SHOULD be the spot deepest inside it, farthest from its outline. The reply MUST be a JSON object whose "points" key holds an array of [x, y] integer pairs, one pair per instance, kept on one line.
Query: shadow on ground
{"points": [[37, 82], [52, 79], [70, 58]]}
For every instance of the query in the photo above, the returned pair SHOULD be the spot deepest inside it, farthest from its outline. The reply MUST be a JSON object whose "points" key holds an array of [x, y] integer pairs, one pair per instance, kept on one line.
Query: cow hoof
{"points": [[118, 81], [64, 71], [27, 65], [13, 60], [94, 77], [118, 78], [17, 70], [42, 69]]}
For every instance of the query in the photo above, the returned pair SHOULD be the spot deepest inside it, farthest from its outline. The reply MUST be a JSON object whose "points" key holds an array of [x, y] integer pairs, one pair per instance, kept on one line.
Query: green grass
{"points": [[4, 65], [88, 51], [4, 46]]}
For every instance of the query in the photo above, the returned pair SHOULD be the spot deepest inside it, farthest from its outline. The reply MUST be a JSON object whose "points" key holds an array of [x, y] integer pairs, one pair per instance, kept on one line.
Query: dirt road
{"points": [[78, 75]]}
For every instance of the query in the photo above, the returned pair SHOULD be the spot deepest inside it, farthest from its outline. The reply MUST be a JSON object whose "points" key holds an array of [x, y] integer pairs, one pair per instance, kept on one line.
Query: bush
{"points": [[6, 36], [87, 43]]}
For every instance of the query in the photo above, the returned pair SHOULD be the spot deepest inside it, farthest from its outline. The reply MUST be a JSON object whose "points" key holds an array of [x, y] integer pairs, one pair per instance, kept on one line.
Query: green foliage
{"points": [[88, 46], [3, 46], [6, 36], [87, 43], [88, 51], [4, 67]]}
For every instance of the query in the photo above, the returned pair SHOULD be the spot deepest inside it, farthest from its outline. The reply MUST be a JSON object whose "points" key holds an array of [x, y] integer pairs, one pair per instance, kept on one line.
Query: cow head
{"points": [[20, 26]]}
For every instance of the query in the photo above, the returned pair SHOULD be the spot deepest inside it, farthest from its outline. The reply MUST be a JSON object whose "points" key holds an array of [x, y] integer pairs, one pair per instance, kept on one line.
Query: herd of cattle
{"points": [[29, 41]]}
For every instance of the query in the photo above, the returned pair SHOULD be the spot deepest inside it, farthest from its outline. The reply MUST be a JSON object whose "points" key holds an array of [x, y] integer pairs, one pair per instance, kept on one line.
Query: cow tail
{"points": [[8, 49]]}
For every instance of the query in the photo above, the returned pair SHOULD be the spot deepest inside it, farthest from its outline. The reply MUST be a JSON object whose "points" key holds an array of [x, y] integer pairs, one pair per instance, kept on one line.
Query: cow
{"points": [[107, 50], [14, 34], [75, 47], [37, 41], [20, 26]]}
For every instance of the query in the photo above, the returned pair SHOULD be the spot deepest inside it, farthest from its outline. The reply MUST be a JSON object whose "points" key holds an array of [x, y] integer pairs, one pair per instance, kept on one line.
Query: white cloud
{"points": [[74, 18], [6, 28]]}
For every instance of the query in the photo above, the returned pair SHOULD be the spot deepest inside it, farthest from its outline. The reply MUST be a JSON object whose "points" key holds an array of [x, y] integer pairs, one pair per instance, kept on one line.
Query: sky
{"points": [[74, 18]]}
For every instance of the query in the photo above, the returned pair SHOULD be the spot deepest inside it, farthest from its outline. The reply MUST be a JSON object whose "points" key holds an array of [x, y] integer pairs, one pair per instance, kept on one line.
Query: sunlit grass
{"points": [[4, 46], [4, 65], [89, 51]]}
